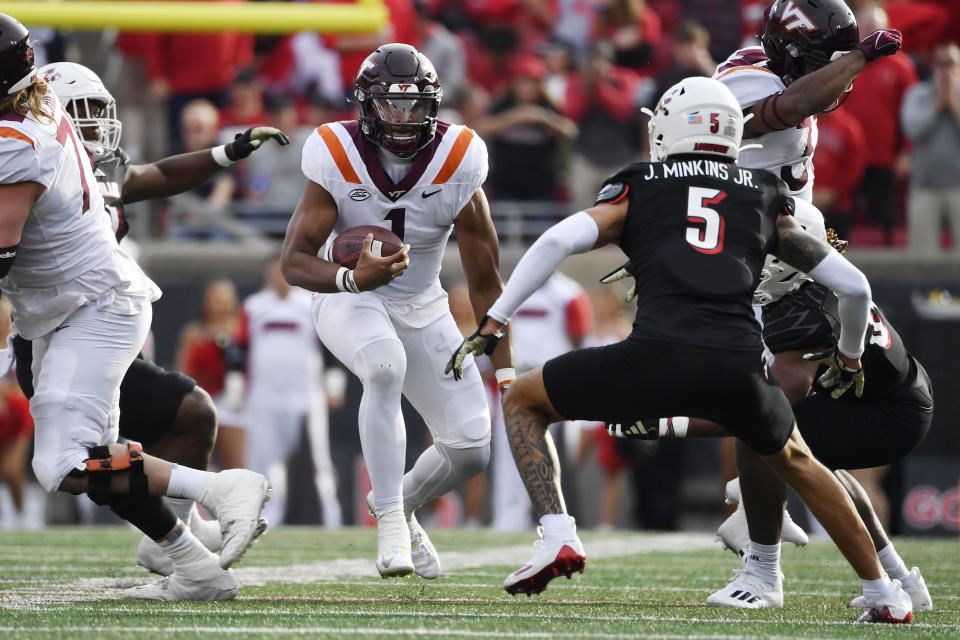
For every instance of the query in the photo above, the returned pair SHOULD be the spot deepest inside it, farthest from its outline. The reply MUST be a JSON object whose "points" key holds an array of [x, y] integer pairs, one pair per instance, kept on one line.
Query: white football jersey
{"points": [[539, 327], [777, 278], [421, 208], [68, 256], [284, 353], [788, 153]]}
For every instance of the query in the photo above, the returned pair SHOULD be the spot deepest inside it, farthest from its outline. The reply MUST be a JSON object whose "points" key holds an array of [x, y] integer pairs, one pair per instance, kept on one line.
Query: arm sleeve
{"points": [[853, 291], [576, 234]]}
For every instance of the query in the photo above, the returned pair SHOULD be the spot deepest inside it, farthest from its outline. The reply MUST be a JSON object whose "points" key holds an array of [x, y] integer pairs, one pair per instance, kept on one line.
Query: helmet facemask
{"points": [[97, 123], [401, 123]]}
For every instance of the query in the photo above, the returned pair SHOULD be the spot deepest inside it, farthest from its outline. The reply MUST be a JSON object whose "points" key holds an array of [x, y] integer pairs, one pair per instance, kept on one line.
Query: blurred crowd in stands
{"points": [[555, 87]]}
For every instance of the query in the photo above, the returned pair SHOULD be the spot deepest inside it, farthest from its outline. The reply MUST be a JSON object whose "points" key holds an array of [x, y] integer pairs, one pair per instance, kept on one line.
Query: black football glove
{"points": [[838, 376], [637, 430], [476, 344], [250, 140]]}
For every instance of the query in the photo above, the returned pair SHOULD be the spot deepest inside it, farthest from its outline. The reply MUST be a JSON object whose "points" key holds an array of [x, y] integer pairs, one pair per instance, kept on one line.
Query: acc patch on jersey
{"points": [[612, 193]]}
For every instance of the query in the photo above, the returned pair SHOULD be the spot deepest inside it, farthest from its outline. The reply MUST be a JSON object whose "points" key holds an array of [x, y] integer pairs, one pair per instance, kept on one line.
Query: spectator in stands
{"points": [[601, 101], [875, 102], [245, 108], [16, 426], [724, 19], [443, 49], [468, 106], [632, 27], [931, 119], [558, 56], [838, 163], [202, 354], [183, 67], [200, 129], [272, 185], [524, 131], [691, 57]]}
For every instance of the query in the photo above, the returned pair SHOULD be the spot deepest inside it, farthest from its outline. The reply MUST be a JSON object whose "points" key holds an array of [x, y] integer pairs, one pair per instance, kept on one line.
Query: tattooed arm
{"points": [[815, 257]]}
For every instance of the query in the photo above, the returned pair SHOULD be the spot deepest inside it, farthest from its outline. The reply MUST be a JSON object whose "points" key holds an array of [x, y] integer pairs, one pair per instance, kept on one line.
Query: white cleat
{"points": [[748, 591], [913, 585], [206, 531], [153, 558], [551, 559], [200, 581], [236, 497], [895, 608], [426, 560], [733, 533], [393, 545]]}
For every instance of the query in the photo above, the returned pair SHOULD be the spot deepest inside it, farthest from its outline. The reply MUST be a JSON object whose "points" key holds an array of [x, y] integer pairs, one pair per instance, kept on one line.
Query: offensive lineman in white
{"points": [[87, 308], [388, 319]]}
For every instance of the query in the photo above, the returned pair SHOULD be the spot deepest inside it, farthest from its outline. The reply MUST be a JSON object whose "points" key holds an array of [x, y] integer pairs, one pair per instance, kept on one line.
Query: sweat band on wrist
{"points": [[220, 156], [505, 377], [344, 279]]}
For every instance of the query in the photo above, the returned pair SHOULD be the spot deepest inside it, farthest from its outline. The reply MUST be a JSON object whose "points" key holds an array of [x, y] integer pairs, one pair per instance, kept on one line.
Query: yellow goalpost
{"points": [[361, 16]]}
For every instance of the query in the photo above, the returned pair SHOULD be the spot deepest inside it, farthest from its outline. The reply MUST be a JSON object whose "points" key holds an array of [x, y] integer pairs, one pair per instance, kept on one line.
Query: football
{"points": [[348, 245]]}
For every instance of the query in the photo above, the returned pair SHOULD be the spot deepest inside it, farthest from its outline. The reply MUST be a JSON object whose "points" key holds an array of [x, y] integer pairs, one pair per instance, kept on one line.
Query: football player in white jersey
{"points": [[87, 308], [285, 391], [388, 320]]}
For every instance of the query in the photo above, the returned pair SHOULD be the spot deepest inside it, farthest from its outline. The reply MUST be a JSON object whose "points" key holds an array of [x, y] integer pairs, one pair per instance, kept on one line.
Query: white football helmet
{"points": [[696, 115], [78, 87], [777, 278]]}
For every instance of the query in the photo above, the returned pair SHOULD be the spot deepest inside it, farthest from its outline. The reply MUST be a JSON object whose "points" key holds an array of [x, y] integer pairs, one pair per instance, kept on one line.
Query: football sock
{"points": [[556, 525], [764, 561], [440, 469], [186, 482], [380, 366], [183, 508], [182, 547], [892, 563], [874, 590]]}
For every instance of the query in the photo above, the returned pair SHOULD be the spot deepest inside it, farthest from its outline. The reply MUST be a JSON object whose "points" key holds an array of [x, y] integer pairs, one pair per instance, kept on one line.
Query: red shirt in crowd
{"points": [[841, 156], [875, 102], [15, 420], [614, 94]]}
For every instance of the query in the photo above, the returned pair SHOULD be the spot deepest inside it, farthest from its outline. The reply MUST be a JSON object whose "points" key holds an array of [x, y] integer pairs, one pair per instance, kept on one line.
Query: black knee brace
{"points": [[101, 467]]}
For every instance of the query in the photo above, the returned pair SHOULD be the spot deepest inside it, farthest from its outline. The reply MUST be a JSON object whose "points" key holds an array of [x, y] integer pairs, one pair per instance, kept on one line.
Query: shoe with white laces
{"points": [[204, 580], [913, 585], [553, 557], [748, 591], [426, 560], [733, 533], [895, 608], [393, 545], [236, 497]]}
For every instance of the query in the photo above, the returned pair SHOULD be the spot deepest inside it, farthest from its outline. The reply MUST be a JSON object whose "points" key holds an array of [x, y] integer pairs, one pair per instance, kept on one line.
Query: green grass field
{"points": [[305, 582]]}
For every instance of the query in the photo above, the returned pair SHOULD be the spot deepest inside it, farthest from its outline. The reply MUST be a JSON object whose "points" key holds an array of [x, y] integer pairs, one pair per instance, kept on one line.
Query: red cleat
{"points": [[553, 558]]}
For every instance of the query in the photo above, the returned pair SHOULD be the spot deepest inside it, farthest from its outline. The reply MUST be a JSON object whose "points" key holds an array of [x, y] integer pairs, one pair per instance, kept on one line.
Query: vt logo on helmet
{"points": [[696, 115], [800, 36], [399, 94]]}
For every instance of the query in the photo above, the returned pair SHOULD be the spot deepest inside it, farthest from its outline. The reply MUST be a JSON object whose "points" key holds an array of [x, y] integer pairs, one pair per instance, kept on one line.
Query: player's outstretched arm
{"points": [[308, 230], [480, 255], [816, 91], [579, 233], [179, 173], [809, 254]]}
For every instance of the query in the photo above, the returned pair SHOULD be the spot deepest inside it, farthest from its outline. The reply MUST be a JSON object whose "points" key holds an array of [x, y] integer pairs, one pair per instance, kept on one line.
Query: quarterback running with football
{"points": [[388, 319], [696, 228], [86, 306], [165, 411]]}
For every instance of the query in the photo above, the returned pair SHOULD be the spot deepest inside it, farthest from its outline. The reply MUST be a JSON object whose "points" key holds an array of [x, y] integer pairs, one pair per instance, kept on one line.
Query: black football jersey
{"points": [[888, 368], [697, 232], [110, 170]]}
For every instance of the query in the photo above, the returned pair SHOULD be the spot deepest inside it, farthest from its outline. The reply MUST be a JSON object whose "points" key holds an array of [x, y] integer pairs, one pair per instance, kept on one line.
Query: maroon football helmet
{"points": [[800, 36], [399, 94], [16, 56]]}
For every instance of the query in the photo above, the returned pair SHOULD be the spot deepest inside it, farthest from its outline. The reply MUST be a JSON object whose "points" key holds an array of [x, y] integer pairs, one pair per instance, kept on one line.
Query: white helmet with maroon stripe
{"points": [[696, 115]]}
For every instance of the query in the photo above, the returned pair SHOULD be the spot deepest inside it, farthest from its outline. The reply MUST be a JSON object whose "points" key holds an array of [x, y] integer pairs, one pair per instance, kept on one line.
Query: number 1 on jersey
{"points": [[397, 217], [709, 237]]}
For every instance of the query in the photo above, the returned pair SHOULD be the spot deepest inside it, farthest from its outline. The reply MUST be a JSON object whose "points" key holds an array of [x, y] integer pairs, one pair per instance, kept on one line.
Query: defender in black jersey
{"points": [[163, 410], [696, 229]]}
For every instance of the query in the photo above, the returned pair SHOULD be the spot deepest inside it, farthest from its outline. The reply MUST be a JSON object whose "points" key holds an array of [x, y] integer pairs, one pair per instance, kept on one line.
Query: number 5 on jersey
{"points": [[707, 235]]}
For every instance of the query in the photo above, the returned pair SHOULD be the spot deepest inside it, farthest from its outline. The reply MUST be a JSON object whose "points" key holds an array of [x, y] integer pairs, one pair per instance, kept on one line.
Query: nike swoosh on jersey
{"points": [[426, 195]]}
